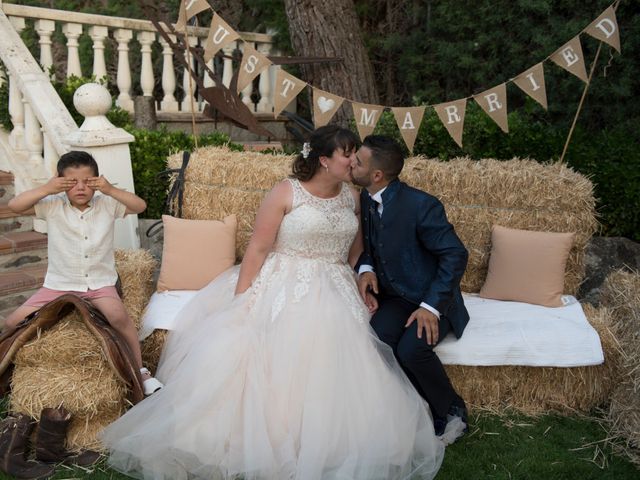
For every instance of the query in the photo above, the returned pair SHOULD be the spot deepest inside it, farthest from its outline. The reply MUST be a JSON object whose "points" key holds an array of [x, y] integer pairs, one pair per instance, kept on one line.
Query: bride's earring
{"points": [[326, 167]]}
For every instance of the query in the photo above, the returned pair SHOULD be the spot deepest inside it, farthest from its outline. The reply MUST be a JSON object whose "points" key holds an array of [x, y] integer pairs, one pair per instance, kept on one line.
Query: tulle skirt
{"points": [[286, 381]]}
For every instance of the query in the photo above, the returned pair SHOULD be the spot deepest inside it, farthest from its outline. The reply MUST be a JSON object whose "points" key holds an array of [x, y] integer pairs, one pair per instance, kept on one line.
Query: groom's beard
{"points": [[364, 181]]}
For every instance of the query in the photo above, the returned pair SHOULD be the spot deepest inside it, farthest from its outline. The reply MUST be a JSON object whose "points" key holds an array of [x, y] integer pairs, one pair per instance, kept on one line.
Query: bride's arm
{"points": [[272, 210], [357, 245]]}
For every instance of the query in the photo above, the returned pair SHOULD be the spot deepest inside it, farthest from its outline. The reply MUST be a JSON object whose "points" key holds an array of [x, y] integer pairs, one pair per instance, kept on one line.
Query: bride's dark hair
{"points": [[322, 143]]}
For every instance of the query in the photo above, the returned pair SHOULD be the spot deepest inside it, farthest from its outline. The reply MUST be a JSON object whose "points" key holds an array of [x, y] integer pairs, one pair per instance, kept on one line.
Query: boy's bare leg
{"points": [[18, 315], [117, 316]]}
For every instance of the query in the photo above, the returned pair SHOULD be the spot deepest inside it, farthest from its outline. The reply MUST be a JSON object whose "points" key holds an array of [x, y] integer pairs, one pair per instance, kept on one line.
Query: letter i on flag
{"points": [[189, 8], [408, 120], [531, 82]]}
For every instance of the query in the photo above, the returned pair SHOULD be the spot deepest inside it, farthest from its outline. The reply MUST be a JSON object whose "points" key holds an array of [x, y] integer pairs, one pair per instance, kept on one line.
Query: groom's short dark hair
{"points": [[386, 155]]}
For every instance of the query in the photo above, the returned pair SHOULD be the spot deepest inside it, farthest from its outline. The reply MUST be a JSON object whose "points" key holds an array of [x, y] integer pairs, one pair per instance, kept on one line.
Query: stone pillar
{"points": [[72, 31], [16, 112], [110, 147], [146, 70], [227, 68], [169, 102], [123, 37], [98, 34], [45, 29], [188, 85], [265, 104]]}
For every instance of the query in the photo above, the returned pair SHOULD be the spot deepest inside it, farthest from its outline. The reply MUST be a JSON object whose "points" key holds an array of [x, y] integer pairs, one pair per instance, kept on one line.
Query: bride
{"points": [[274, 372]]}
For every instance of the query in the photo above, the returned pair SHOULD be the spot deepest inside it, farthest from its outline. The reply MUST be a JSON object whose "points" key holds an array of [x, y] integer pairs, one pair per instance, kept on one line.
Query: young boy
{"points": [[80, 230]]}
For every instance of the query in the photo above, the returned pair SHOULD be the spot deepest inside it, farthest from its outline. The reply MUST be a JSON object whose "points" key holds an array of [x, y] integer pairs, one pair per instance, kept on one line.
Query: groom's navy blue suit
{"points": [[417, 257]]}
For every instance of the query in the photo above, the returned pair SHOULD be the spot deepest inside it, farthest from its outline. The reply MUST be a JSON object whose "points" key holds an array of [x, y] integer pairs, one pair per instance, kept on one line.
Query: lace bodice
{"points": [[318, 228]]}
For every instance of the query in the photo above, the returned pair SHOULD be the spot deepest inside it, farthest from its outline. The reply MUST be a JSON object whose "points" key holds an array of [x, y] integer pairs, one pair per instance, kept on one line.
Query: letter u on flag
{"points": [[189, 8], [605, 28], [409, 120], [287, 88], [220, 35], [253, 63], [366, 117], [494, 103], [452, 117], [570, 57]]}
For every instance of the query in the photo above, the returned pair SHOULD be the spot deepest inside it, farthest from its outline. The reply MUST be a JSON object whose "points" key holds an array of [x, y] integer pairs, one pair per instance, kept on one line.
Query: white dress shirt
{"points": [[377, 197], [80, 243]]}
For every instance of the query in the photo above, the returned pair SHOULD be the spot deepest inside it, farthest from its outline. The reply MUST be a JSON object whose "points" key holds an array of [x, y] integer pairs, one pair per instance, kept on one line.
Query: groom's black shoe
{"points": [[440, 424]]}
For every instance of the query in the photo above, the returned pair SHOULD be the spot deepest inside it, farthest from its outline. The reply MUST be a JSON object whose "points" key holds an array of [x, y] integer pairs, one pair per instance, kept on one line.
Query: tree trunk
{"points": [[330, 28]]}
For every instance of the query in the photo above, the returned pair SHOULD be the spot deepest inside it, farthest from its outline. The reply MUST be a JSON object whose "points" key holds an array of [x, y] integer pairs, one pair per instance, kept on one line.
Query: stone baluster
{"points": [[16, 112], [169, 102], [45, 29], [227, 66], [146, 70], [98, 34], [72, 31], [187, 84], [208, 81], [51, 157], [265, 104], [123, 37], [33, 138], [248, 90]]}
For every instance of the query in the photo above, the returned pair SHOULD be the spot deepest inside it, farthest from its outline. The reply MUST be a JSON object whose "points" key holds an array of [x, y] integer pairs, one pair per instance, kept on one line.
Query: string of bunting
{"points": [[325, 104]]}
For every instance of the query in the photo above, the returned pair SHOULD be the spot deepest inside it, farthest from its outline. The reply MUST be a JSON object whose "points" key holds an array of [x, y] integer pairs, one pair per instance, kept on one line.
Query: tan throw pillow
{"points": [[195, 251], [527, 266]]}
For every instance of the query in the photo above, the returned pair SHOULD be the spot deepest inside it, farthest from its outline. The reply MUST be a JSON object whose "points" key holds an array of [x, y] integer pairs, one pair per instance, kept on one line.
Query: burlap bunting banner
{"points": [[253, 63], [494, 102], [452, 117], [325, 106], [189, 8], [287, 88], [220, 35], [366, 117], [409, 120], [570, 57], [605, 28], [532, 83]]}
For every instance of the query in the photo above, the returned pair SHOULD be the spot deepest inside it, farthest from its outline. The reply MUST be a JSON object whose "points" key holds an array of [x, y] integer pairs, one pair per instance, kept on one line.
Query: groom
{"points": [[412, 262]]}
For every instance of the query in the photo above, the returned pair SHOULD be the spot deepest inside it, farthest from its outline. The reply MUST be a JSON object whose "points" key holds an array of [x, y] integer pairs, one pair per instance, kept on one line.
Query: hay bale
{"points": [[621, 293], [84, 430], [152, 348], [135, 269], [535, 390], [517, 193]]}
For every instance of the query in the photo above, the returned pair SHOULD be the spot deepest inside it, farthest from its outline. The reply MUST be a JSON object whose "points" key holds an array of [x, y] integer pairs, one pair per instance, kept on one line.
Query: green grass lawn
{"points": [[502, 447]]}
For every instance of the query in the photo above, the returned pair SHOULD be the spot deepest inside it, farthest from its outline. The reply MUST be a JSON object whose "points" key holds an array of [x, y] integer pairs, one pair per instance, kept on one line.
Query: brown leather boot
{"points": [[14, 435], [51, 436]]}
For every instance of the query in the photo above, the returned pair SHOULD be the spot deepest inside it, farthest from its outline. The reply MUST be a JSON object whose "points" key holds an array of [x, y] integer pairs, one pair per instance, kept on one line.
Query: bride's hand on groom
{"points": [[427, 323], [371, 302], [367, 286]]}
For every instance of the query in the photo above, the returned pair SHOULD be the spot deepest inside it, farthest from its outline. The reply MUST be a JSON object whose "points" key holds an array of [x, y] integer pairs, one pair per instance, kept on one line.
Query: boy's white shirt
{"points": [[80, 243]]}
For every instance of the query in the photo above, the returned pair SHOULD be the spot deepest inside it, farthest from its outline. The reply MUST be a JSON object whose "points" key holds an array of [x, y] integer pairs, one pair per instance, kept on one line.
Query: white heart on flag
{"points": [[325, 104]]}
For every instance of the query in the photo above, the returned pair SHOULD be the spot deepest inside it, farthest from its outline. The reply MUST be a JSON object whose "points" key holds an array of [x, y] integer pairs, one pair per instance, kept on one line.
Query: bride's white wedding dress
{"points": [[285, 381]]}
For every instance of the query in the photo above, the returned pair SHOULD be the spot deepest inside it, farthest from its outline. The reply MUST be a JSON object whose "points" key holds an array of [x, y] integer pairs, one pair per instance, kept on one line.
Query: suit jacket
{"points": [[415, 250]]}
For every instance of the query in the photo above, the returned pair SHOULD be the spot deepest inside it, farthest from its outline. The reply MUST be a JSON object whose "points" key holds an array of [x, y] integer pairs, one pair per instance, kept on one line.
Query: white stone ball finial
{"points": [[93, 101]]}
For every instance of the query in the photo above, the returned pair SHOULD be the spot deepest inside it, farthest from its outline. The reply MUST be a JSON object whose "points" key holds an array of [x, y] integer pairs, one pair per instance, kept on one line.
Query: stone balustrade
{"points": [[148, 43]]}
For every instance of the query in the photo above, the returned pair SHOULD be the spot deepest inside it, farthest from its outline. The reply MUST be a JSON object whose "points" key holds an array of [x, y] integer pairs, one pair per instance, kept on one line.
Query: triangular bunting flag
{"points": [[531, 82], [189, 8], [494, 102], [570, 57], [605, 28], [325, 106], [286, 89], [408, 120], [220, 35], [366, 117], [253, 63], [452, 117]]}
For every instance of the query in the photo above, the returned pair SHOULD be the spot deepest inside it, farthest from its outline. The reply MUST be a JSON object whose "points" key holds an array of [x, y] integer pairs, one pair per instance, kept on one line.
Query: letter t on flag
{"points": [[287, 88], [189, 8]]}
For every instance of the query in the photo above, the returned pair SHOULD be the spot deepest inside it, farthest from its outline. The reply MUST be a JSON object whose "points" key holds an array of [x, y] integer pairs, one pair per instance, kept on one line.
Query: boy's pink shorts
{"points": [[46, 295]]}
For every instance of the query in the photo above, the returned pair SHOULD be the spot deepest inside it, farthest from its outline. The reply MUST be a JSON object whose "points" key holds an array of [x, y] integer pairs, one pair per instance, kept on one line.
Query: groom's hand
{"points": [[371, 303], [367, 282], [428, 322]]}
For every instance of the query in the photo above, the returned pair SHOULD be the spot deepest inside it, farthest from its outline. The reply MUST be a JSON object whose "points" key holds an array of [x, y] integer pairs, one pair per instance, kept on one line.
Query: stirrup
{"points": [[151, 385]]}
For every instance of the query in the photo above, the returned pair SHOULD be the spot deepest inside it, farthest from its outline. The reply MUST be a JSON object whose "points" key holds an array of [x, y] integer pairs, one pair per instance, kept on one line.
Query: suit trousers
{"points": [[416, 357]]}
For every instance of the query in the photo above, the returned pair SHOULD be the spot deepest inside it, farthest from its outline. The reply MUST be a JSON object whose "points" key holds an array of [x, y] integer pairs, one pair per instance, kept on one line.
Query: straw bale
{"points": [[84, 392], [534, 390], [621, 293], [152, 348], [136, 269], [84, 430]]}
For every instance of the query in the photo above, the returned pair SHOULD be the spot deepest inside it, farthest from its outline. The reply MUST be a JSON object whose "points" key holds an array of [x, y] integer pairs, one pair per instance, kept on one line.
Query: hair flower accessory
{"points": [[306, 149]]}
